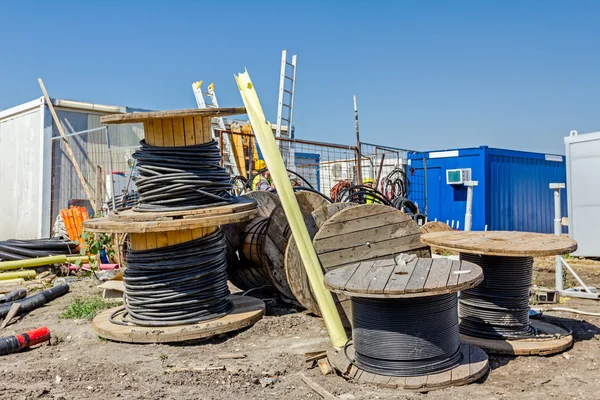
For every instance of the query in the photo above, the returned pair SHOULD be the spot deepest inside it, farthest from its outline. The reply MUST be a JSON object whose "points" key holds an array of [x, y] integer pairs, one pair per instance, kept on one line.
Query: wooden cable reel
{"points": [[245, 256], [154, 230], [359, 233], [278, 235], [436, 226]]}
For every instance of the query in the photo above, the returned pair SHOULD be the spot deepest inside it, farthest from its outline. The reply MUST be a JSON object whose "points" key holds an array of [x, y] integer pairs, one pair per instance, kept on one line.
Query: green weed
{"points": [[85, 308]]}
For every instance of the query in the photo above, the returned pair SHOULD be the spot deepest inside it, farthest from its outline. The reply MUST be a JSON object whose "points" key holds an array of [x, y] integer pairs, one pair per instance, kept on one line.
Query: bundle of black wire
{"points": [[14, 249], [406, 337], [498, 308], [361, 194], [180, 284], [181, 178]]}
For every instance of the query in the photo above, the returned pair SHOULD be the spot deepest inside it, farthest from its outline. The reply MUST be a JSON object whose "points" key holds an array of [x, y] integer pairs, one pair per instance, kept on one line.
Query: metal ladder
{"points": [[201, 102], [285, 107]]}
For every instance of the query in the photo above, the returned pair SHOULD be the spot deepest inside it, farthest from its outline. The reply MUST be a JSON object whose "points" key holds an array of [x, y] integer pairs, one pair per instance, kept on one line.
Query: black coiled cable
{"points": [[406, 337], [181, 178], [15, 249], [180, 284], [499, 307]]}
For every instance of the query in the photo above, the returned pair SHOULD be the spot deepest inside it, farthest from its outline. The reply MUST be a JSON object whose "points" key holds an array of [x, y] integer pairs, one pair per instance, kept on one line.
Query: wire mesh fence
{"points": [[89, 166], [322, 165]]}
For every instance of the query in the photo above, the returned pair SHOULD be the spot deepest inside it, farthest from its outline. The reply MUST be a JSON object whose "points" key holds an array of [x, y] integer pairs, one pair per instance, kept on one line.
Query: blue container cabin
{"points": [[513, 191]]}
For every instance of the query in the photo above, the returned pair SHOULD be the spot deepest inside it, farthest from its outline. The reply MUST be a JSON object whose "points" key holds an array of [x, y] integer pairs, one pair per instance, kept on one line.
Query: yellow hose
{"points": [[38, 262], [270, 151], [29, 274]]}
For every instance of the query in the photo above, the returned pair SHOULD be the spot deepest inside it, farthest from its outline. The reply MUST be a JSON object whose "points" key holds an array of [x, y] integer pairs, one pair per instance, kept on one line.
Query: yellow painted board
{"points": [[188, 126], [270, 151], [167, 128], [157, 131]]}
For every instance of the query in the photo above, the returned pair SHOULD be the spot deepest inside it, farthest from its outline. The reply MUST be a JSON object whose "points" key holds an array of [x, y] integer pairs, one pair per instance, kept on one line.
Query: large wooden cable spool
{"points": [[365, 232], [437, 226], [155, 230], [294, 268], [278, 235], [249, 272]]}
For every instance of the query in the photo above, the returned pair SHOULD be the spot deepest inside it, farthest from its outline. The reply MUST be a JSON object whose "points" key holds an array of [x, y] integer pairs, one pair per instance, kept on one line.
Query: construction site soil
{"points": [[266, 361]]}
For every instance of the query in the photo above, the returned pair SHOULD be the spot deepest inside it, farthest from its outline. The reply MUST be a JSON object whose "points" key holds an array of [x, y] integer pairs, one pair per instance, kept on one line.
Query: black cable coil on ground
{"points": [[498, 308], [394, 184], [174, 285], [361, 194], [406, 337], [181, 178], [14, 249]]}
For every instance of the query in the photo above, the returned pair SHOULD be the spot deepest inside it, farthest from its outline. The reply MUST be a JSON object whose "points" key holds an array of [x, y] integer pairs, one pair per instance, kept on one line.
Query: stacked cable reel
{"points": [[405, 331], [495, 315], [346, 233], [176, 278], [257, 248]]}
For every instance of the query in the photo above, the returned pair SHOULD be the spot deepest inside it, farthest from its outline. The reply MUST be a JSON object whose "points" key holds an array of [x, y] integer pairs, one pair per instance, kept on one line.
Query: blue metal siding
{"points": [[512, 194], [518, 193]]}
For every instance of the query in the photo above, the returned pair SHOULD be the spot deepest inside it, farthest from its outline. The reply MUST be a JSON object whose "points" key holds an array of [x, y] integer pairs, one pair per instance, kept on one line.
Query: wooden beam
{"points": [[86, 188]]}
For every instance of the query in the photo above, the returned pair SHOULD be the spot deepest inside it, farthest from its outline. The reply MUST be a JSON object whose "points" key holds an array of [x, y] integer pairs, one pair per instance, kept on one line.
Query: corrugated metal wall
{"points": [[518, 193], [20, 169], [512, 194]]}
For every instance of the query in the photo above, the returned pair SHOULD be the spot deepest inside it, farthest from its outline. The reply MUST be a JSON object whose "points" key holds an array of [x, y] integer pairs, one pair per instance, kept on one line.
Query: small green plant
{"points": [[93, 246], [85, 308]]}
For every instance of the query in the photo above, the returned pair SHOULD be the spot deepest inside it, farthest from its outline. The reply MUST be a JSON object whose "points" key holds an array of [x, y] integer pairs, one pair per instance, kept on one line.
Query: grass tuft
{"points": [[85, 308]]}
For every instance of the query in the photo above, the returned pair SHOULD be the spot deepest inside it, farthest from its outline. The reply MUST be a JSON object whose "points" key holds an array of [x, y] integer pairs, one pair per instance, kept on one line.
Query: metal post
{"points": [[425, 208], [558, 231], [112, 181], [359, 178], [469, 212]]}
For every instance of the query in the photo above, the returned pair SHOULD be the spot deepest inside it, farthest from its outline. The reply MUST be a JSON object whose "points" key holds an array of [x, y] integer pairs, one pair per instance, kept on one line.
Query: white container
{"points": [[583, 191]]}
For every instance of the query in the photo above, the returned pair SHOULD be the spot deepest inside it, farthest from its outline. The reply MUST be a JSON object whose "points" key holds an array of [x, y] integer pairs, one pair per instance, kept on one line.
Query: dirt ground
{"points": [[79, 365]]}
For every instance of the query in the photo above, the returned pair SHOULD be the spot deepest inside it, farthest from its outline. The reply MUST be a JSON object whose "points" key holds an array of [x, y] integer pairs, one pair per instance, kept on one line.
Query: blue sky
{"points": [[428, 74]]}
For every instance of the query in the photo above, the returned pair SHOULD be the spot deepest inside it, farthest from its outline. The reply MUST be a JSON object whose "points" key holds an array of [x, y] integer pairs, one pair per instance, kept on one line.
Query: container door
{"points": [[434, 194]]}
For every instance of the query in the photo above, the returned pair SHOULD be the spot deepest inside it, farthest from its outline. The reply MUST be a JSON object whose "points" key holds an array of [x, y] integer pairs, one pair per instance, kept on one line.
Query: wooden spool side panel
{"points": [[436, 226], [278, 234], [367, 232], [154, 240], [294, 267], [265, 201], [177, 131]]}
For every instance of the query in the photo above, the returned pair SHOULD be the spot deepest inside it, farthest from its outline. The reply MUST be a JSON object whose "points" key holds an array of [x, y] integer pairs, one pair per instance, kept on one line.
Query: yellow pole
{"points": [[18, 274], [37, 262], [270, 151]]}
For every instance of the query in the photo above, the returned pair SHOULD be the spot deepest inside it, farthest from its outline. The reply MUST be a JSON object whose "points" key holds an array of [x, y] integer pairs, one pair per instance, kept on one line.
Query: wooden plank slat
{"points": [[401, 276], [357, 281], [185, 236], [162, 239], [157, 132], [415, 382], [341, 276], [369, 251], [149, 133], [379, 275], [178, 132], [419, 275], [198, 135], [188, 126], [387, 231], [173, 237], [453, 277], [441, 379], [206, 130], [151, 240], [167, 129], [438, 278], [357, 225]]}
